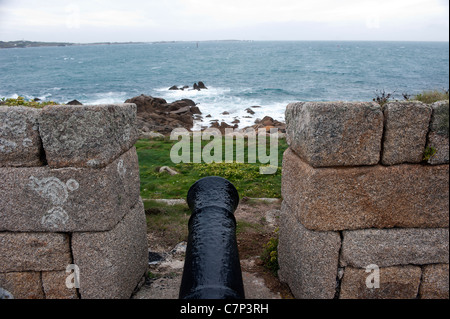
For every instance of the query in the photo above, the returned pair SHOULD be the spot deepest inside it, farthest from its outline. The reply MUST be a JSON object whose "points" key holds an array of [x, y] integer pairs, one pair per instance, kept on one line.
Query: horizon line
{"points": [[214, 40]]}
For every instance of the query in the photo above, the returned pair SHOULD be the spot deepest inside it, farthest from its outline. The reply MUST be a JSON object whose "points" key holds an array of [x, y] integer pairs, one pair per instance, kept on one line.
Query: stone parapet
{"points": [[72, 223], [365, 192]]}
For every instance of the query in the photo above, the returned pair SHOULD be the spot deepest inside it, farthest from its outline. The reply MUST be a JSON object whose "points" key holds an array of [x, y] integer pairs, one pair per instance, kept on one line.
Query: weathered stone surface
{"points": [[406, 127], [395, 283], [112, 263], [435, 280], [378, 196], [33, 251], [390, 247], [308, 259], [20, 144], [87, 135], [68, 199], [438, 135], [335, 133], [22, 285], [54, 285]]}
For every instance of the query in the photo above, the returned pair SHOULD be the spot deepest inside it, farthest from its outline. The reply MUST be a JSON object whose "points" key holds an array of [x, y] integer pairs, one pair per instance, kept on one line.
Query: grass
{"points": [[431, 96], [168, 222], [155, 153]]}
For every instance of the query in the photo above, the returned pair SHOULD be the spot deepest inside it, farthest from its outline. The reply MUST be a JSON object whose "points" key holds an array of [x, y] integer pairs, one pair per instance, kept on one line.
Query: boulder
{"points": [[201, 85], [250, 111], [169, 170], [155, 114], [174, 87], [74, 102]]}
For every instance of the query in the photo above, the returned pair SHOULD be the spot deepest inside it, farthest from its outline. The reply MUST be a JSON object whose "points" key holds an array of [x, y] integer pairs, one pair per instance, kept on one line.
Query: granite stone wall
{"points": [[72, 223], [365, 210]]}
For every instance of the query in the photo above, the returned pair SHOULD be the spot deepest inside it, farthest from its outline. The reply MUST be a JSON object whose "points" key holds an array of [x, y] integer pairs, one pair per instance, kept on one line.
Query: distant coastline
{"points": [[31, 44]]}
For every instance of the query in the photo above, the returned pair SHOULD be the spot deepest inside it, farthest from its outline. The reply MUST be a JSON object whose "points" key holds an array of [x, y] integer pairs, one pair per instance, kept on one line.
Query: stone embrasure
{"points": [[378, 196]]}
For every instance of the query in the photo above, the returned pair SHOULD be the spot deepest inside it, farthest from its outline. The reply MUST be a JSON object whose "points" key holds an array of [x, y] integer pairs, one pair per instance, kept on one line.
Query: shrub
{"points": [[432, 96], [21, 101], [269, 255]]}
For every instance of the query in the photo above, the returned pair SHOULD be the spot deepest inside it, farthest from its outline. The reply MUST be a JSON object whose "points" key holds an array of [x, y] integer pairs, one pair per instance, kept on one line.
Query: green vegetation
{"points": [[428, 153], [155, 153], [431, 96], [21, 101], [269, 255], [428, 97], [168, 222]]}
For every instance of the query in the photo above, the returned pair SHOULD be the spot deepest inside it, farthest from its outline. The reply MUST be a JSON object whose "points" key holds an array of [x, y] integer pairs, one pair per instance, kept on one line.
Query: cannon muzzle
{"points": [[211, 268]]}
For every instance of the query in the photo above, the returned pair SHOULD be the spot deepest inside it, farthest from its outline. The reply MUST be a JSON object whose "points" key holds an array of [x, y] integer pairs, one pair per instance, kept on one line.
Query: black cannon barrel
{"points": [[211, 267]]}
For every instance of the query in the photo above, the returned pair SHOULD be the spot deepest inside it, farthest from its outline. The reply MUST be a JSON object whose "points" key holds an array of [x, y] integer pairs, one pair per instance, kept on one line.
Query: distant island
{"points": [[30, 44]]}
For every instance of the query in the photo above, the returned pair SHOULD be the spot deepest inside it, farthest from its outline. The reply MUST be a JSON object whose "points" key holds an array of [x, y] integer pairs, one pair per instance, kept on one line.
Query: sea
{"points": [[238, 74]]}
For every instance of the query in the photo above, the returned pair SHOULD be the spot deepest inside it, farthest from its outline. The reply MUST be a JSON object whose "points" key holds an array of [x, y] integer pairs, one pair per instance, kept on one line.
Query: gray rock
{"points": [[169, 170], [34, 252], [406, 128], [88, 135], [20, 144], [335, 133], [68, 199], [438, 135], [401, 282], [377, 196], [308, 259], [112, 263], [390, 247]]}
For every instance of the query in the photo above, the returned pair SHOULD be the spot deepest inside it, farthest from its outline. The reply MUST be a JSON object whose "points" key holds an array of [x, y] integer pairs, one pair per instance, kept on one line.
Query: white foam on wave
{"points": [[214, 101], [106, 98]]}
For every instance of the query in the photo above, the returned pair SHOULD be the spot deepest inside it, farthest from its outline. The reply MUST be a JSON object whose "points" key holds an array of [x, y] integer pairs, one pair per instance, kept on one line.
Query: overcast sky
{"points": [[194, 20]]}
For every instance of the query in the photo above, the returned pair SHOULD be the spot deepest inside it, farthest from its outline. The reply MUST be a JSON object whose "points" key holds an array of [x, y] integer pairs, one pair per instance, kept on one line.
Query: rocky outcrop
{"points": [[199, 86], [155, 114], [74, 102]]}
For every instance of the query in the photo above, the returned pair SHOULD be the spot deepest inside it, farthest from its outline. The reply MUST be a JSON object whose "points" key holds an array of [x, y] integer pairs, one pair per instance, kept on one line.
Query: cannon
{"points": [[211, 267]]}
